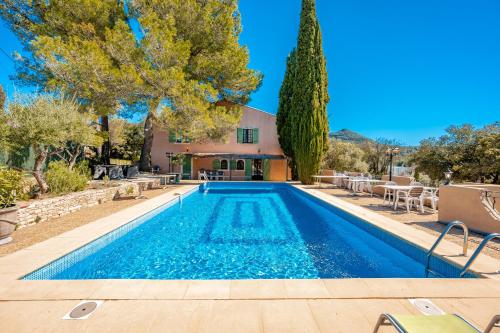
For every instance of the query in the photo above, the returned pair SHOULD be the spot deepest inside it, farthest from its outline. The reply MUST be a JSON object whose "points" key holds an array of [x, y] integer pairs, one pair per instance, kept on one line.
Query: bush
{"points": [[83, 169], [11, 187], [344, 156], [61, 180]]}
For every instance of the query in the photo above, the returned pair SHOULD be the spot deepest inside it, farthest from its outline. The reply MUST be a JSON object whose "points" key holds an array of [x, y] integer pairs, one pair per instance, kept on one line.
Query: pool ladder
{"points": [[466, 236], [445, 231], [478, 250]]}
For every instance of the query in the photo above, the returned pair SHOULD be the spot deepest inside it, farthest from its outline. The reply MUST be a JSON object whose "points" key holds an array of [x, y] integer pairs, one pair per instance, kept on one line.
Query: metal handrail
{"points": [[445, 231], [478, 250]]}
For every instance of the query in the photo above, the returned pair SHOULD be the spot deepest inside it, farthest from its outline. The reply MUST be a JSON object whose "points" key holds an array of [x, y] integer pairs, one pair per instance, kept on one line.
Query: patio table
{"points": [[319, 177], [164, 179], [173, 177], [356, 188], [356, 182], [339, 179], [397, 189]]}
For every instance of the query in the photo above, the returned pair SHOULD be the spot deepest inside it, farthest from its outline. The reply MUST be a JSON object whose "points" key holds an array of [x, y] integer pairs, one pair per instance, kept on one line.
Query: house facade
{"points": [[252, 152]]}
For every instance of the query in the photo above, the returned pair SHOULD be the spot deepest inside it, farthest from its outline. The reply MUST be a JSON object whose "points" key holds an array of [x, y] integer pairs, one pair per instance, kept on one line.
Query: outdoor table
{"points": [[166, 179], [338, 178], [357, 182], [397, 189], [175, 176], [319, 177]]}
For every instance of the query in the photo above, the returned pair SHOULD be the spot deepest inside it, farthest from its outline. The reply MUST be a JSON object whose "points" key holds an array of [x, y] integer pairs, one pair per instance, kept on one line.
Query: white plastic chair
{"points": [[433, 197], [413, 197], [202, 175]]}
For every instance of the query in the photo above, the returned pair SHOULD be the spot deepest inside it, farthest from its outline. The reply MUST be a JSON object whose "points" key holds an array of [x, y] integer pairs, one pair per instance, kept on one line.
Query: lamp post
{"points": [[391, 152], [447, 177]]}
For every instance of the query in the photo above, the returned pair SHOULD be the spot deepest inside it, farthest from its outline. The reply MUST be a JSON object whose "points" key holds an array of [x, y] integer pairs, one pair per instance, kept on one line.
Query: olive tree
{"points": [[49, 125], [344, 156]]}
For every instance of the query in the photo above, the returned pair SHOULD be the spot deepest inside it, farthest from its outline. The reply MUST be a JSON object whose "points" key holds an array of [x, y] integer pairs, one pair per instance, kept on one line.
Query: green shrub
{"points": [[11, 187], [61, 180], [83, 169], [106, 181]]}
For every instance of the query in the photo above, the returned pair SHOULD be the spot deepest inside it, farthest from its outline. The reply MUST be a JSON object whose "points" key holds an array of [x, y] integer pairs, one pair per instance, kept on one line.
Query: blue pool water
{"points": [[245, 231]]}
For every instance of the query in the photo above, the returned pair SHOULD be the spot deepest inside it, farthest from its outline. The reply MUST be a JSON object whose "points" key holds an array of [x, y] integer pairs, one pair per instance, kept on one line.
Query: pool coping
{"points": [[22, 262], [484, 265]]}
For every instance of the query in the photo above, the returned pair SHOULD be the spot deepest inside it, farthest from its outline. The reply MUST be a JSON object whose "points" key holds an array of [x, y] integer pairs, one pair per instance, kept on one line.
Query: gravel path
{"points": [[36, 233]]}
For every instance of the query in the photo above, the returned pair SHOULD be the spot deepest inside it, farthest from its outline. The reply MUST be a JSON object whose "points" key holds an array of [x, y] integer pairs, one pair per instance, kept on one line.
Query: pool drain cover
{"points": [[426, 307], [83, 310]]}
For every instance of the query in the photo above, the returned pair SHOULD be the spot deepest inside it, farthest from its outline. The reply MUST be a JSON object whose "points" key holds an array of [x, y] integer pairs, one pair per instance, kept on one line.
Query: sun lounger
{"points": [[432, 324]]}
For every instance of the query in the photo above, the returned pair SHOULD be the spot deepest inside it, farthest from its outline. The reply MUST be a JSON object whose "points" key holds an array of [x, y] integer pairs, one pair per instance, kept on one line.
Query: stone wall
{"points": [[44, 209]]}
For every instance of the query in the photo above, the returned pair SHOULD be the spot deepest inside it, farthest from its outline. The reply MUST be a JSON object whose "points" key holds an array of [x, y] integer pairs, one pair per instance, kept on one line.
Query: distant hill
{"points": [[349, 136], [356, 138]]}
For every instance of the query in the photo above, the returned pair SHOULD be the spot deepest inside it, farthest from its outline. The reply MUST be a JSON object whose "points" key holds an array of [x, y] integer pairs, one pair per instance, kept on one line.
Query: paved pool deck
{"points": [[327, 305]]}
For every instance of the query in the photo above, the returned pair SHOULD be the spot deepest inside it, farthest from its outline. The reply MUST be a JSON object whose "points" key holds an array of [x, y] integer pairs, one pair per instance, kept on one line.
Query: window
{"points": [[247, 135], [240, 165], [223, 165], [177, 137]]}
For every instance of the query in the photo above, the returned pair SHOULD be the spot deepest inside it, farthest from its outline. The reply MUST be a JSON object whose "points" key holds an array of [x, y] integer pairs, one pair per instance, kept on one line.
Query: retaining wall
{"points": [[44, 209]]}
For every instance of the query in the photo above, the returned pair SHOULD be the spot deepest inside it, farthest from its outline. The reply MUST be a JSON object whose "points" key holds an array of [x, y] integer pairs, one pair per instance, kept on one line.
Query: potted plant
{"points": [[11, 185]]}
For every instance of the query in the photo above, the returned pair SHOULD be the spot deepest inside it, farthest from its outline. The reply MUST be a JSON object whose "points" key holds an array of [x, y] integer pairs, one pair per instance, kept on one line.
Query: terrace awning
{"points": [[232, 156]]}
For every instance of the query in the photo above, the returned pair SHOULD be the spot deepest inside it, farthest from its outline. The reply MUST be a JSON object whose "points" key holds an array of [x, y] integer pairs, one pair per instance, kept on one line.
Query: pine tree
{"points": [[186, 58], [284, 115], [214, 67], [71, 53], [310, 97]]}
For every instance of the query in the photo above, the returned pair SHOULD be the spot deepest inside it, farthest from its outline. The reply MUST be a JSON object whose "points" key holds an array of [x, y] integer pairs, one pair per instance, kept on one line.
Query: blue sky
{"points": [[397, 69]]}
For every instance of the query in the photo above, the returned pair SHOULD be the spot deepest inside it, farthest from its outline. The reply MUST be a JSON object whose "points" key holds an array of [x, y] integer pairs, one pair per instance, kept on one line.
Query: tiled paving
{"points": [[297, 315], [350, 305], [426, 221]]}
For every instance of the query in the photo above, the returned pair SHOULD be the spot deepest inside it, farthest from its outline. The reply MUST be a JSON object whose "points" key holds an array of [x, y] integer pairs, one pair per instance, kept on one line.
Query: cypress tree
{"points": [[310, 97], [284, 121]]}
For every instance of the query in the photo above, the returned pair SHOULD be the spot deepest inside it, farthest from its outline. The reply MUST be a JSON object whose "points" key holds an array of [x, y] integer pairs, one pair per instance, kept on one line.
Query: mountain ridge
{"points": [[349, 136]]}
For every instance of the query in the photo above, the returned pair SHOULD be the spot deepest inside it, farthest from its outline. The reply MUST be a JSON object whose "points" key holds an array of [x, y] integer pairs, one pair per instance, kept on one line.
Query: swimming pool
{"points": [[245, 231]]}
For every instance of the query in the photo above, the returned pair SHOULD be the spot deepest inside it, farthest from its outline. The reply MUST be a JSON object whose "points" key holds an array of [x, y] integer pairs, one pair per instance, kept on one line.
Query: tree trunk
{"points": [[106, 146], [73, 155], [293, 169], [145, 162], [37, 170]]}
